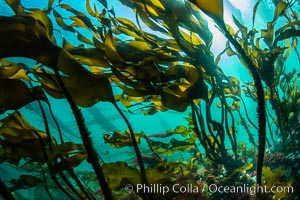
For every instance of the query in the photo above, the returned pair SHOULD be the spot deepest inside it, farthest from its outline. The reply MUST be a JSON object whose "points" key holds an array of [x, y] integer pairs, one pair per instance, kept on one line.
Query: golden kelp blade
{"points": [[14, 94], [119, 174], [111, 50], [89, 9], [280, 7], [120, 140], [61, 23], [25, 36], [213, 8], [73, 155], [50, 4], [16, 6], [89, 56], [43, 18], [9, 70], [20, 139], [254, 12]]}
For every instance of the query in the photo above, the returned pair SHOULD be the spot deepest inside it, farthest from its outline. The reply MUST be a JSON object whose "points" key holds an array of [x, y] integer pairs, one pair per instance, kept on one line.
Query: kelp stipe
{"points": [[261, 106], [135, 145], [246, 112], [46, 125], [215, 11], [108, 42], [70, 171], [43, 145], [85, 135], [56, 123], [250, 135], [82, 188], [46, 183], [52, 174], [201, 133]]}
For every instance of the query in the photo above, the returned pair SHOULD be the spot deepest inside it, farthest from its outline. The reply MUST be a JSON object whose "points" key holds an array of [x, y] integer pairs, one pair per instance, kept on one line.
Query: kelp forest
{"points": [[160, 60]]}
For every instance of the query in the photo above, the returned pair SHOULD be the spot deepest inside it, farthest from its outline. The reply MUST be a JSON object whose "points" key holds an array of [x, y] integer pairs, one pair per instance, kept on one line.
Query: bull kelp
{"points": [[160, 60]]}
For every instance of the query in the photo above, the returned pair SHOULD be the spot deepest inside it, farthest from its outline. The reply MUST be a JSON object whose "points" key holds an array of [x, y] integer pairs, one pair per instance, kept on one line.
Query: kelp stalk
{"points": [[53, 176], [202, 136], [83, 189], [250, 135], [246, 112], [282, 118], [56, 123], [45, 183], [47, 129], [231, 135], [135, 145], [214, 9], [69, 184], [85, 135], [66, 180], [42, 145], [261, 107], [151, 148]]}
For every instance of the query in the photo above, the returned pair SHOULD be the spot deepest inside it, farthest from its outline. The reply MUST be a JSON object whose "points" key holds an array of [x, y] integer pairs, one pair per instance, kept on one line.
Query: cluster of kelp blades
{"points": [[170, 72]]}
